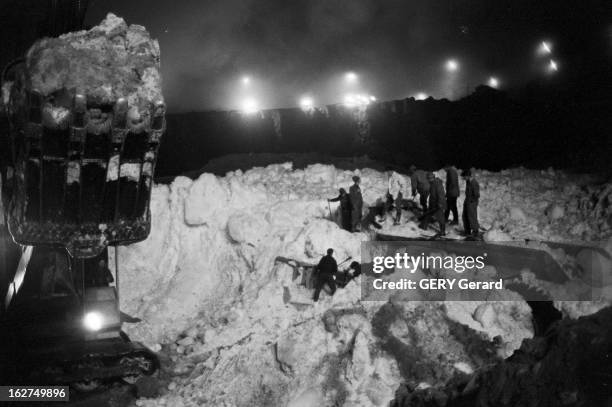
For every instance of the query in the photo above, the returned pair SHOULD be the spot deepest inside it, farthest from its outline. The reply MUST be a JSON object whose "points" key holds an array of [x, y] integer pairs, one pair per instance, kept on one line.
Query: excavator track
{"points": [[79, 363]]}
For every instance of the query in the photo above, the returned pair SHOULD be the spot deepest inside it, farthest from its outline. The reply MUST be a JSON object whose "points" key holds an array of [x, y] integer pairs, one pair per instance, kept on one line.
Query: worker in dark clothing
{"points": [[419, 183], [345, 208], [356, 203], [324, 274], [470, 205], [437, 204], [452, 193]]}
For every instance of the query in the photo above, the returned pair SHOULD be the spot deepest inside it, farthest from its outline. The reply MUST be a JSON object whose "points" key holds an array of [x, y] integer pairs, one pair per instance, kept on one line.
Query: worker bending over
{"points": [[419, 183], [437, 204]]}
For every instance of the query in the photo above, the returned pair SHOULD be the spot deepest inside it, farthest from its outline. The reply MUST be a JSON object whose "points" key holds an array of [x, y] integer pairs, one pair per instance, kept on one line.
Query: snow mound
{"points": [[239, 326], [545, 205]]}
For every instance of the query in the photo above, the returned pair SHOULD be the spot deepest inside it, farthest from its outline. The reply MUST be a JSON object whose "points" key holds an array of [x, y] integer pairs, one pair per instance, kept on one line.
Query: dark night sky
{"points": [[397, 47]]}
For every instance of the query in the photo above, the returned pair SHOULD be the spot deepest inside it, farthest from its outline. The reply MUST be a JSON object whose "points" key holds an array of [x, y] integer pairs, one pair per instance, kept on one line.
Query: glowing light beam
{"points": [[452, 65], [93, 321], [553, 66], [354, 100], [545, 48], [250, 106], [306, 103], [350, 77]]}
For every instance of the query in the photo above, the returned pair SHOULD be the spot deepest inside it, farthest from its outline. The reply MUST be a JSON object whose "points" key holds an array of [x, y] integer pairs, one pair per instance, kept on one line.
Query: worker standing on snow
{"points": [[470, 205], [345, 208], [452, 193], [419, 183], [437, 204], [324, 274], [356, 203], [397, 184]]}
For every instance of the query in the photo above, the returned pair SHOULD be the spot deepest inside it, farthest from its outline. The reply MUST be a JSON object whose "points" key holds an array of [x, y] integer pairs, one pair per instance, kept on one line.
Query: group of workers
{"points": [[436, 200]]}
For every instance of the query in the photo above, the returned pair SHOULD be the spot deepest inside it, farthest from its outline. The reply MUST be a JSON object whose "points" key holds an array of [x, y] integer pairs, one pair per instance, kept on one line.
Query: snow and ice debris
{"points": [[568, 367], [464, 367], [496, 235], [517, 214], [241, 328], [511, 319], [555, 212], [108, 62]]}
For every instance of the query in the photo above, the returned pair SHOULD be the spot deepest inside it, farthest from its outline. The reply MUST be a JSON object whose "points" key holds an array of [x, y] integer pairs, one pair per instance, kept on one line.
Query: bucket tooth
{"points": [[35, 105], [120, 113], [120, 129], [80, 106], [33, 128], [79, 120]]}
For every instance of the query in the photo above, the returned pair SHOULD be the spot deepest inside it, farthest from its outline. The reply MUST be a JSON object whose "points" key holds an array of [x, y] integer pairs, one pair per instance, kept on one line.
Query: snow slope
{"points": [[546, 205], [241, 330]]}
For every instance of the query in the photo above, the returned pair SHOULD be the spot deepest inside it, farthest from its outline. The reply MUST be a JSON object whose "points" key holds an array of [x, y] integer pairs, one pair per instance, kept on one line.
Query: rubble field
{"points": [[237, 328]]}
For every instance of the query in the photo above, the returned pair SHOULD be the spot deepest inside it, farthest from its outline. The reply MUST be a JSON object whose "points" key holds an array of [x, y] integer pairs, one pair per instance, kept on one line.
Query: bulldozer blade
{"points": [[508, 259]]}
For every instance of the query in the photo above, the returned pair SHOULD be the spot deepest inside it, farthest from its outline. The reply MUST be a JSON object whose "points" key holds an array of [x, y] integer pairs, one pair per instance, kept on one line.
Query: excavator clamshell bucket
{"points": [[82, 181]]}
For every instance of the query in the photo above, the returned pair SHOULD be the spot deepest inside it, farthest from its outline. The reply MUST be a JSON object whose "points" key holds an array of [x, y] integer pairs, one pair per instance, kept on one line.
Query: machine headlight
{"points": [[93, 321]]}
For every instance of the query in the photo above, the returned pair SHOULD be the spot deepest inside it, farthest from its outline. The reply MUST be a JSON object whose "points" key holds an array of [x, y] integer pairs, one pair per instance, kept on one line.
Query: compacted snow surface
{"points": [[238, 329]]}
